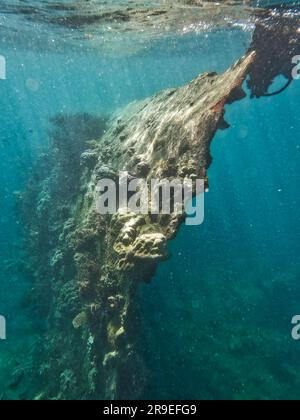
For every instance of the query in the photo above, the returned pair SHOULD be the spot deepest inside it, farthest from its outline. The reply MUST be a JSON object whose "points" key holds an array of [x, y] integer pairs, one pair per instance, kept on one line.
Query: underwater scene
{"points": [[150, 179]]}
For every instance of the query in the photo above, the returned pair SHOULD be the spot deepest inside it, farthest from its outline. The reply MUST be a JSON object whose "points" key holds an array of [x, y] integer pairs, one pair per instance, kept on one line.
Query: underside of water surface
{"points": [[128, 306]]}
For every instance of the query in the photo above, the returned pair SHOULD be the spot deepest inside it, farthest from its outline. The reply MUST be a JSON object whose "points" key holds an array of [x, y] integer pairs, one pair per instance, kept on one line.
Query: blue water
{"points": [[220, 310], [217, 316]]}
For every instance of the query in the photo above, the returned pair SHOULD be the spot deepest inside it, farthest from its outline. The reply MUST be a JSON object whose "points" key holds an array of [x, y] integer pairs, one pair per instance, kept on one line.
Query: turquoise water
{"points": [[217, 316], [220, 310]]}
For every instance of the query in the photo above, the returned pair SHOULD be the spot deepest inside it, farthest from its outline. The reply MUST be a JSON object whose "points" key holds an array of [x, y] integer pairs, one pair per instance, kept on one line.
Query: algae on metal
{"points": [[88, 266], [93, 264]]}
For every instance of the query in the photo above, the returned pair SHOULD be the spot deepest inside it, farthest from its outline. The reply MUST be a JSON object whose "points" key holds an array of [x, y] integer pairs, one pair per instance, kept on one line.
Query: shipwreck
{"points": [[88, 267]]}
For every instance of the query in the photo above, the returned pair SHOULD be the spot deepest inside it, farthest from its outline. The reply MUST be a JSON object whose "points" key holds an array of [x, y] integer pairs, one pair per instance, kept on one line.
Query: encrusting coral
{"points": [[98, 261]]}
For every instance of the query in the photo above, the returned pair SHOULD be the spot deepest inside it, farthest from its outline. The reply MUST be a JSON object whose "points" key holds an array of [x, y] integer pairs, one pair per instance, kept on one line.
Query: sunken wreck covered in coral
{"points": [[88, 266]]}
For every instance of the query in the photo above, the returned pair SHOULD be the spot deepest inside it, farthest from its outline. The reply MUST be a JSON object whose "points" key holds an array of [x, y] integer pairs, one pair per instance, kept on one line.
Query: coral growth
{"points": [[92, 264], [88, 266]]}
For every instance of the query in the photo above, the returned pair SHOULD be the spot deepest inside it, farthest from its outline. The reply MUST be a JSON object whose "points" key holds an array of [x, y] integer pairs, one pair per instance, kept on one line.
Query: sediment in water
{"points": [[88, 266]]}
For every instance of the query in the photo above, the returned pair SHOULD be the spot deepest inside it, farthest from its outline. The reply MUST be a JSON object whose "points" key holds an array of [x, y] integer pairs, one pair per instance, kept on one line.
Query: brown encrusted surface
{"points": [[97, 262]]}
